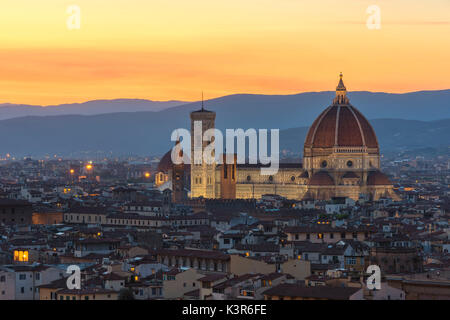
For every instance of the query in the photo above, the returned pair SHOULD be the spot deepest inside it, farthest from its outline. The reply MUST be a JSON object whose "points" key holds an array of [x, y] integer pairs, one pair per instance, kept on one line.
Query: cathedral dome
{"points": [[341, 125], [376, 178], [165, 164], [321, 178]]}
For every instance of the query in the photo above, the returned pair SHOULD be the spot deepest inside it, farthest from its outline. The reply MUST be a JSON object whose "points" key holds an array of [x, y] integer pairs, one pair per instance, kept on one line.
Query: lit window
{"points": [[21, 256]]}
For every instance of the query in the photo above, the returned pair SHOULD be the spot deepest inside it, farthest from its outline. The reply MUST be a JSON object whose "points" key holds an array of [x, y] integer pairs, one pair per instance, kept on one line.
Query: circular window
{"points": [[270, 178], [292, 178], [249, 178], [349, 163], [324, 164]]}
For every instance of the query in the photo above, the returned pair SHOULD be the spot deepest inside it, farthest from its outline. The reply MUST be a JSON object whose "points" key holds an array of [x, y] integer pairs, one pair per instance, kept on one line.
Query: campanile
{"points": [[202, 174]]}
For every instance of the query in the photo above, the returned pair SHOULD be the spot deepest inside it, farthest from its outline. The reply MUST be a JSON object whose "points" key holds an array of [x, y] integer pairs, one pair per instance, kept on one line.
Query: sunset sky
{"points": [[174, 49]]}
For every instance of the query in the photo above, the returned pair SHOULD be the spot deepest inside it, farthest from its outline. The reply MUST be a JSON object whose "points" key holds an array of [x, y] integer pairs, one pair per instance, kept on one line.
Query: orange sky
{"points": [[162, 50]]}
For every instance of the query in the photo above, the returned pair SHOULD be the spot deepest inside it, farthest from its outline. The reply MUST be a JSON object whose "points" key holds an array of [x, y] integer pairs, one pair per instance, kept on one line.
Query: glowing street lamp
{"points": [[147, 175]]}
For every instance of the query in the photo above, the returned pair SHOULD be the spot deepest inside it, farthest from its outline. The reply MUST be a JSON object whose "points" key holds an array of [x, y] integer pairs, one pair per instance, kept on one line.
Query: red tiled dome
{"points": [[341, 125], [376, 178], [165, 164], [350, 175], [321, 178]]}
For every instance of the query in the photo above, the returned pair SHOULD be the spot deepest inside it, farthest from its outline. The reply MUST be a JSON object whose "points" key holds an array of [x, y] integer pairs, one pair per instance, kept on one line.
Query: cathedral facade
{"points": [[341, 158]]}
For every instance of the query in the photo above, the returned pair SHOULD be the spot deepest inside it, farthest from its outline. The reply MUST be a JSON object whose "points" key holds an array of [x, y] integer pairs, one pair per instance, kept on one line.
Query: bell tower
{"points": [[202, 174]]}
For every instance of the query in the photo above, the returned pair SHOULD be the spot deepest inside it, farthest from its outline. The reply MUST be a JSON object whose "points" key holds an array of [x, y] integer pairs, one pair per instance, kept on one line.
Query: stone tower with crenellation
{"points": [[202, 174]]}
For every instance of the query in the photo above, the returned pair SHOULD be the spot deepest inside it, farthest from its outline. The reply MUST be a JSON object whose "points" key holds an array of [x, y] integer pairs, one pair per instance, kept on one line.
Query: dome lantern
{"points": [[341, 93]]}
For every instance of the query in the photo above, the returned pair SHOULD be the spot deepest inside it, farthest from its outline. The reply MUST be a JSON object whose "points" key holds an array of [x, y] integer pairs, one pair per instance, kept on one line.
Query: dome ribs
{"points": [[341, 126], [312, 130], [349, 131], [325, 131], [369, 134]]}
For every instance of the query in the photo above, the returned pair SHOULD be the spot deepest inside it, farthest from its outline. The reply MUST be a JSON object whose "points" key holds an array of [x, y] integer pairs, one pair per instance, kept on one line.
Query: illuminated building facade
{"points": [[341, 158]]}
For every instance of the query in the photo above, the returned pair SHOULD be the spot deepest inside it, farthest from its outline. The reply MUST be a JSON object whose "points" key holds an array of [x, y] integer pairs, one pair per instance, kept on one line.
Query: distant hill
{"points": [[265, 111], [291, 111], [8, 110], [424, 122], [144, 133]]}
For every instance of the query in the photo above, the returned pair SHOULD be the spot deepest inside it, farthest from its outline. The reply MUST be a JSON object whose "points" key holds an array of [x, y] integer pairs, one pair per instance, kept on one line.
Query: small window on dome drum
{"points": [[270, 178], [249, 178], [349, 163], [324, 164], [292, 178]]}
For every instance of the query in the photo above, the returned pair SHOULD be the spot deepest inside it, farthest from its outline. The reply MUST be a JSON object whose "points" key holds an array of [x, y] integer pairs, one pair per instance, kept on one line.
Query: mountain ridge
{"points": [[305, 100], [91, 107], [400, 121]]}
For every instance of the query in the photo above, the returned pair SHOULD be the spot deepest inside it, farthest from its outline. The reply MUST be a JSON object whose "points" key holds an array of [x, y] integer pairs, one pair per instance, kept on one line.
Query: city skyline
{"points": [[209, 157]]}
